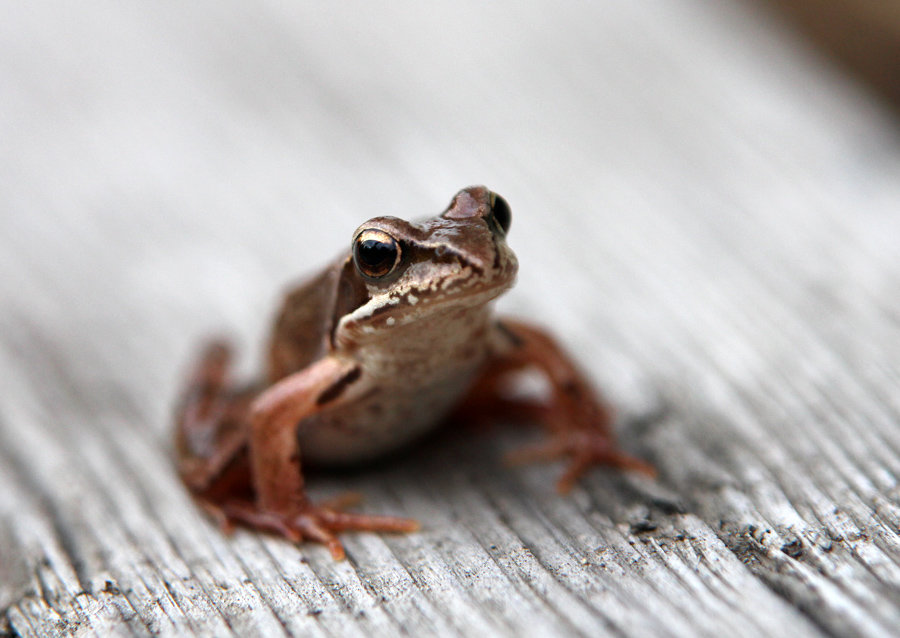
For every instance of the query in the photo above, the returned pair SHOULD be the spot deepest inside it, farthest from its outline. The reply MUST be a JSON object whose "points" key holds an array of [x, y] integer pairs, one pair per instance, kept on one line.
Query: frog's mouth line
{"points": [[462, 290]]}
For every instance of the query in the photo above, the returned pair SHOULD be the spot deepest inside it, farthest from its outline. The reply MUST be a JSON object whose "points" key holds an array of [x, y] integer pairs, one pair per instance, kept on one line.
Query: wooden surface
{"points": [[703, 211]]}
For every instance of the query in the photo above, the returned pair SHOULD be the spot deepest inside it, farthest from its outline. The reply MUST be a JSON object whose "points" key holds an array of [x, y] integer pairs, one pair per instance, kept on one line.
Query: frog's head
{"points": [[402, 271]]}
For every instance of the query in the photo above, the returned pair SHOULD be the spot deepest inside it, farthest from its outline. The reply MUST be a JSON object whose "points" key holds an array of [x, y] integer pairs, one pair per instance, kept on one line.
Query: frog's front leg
{"points": [[281, 504], [240, 456], [578, 421]]}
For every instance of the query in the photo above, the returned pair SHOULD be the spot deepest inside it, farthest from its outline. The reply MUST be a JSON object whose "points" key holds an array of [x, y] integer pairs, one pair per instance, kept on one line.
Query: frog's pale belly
{"points": [[380, 423], [418, 379]]}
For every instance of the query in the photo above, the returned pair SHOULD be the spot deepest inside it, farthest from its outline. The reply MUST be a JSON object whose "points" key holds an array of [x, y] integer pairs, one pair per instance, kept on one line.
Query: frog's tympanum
{"points": [[389, 341]]}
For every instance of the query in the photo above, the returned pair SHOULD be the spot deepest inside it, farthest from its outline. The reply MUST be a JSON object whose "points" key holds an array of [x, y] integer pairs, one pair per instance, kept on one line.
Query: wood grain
{"points": [[703, 213]]}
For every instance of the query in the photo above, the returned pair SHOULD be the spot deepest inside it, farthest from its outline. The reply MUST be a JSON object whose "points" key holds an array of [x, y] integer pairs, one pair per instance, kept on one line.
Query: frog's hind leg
{"points": [[577, 419], [212, 423]]}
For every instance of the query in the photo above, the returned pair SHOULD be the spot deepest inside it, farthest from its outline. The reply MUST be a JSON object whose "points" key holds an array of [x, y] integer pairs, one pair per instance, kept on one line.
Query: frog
{"points": [[392, 339]]}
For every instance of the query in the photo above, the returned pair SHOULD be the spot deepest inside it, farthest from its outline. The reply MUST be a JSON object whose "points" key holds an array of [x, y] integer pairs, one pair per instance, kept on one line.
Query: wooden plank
{"points": [[702, 212]]}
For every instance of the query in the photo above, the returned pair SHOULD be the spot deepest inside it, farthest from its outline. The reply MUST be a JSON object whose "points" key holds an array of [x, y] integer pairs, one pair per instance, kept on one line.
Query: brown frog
{"points": [[386, 343]]}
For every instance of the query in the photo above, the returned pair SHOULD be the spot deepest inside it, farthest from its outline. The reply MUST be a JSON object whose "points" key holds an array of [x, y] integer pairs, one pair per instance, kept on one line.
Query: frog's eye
{"points": [[375, 253], [500, 211]]}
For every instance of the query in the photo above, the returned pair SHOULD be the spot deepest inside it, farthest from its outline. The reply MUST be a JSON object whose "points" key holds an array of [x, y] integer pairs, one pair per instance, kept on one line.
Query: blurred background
{"points": [[166, 169], [862, 35]]}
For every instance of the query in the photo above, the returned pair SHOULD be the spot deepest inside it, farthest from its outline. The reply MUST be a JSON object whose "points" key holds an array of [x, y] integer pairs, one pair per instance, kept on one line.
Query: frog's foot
{"points": [[584, 450], [317, 523]]}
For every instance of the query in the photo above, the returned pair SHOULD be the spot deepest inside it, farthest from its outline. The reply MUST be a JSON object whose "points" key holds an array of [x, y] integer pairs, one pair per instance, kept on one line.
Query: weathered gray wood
{"points": [[704, 212]]}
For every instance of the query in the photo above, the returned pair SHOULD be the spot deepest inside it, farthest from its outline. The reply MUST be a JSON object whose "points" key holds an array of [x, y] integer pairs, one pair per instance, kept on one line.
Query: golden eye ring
{"points": [[375, 253]]}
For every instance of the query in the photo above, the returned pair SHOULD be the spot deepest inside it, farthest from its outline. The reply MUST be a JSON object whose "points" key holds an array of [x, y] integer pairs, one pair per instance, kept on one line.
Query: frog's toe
{"points": [[339, 521], [586, 452], [247, 514], [583, 450], [321, 523], [312, 528], [316, 523]]}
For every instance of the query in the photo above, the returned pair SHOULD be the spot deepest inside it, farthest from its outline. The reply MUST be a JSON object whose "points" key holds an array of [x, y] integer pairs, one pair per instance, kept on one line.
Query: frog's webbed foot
{"points": [[578, 421], [583, 451], [308, 522]]}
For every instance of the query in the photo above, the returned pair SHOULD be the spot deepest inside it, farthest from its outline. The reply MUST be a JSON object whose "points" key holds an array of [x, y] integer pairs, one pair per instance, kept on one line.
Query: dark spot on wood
{"points": [[794, 549], [668, 506], [643, 526], [338, 387]]}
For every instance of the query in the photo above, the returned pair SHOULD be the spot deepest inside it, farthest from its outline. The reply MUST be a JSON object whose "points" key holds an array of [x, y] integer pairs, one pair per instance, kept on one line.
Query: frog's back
{"points": [[304, 320]]}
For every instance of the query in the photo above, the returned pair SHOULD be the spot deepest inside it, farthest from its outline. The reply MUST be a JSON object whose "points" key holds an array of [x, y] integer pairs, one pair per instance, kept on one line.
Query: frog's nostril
{"points": [[501, 212]]}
